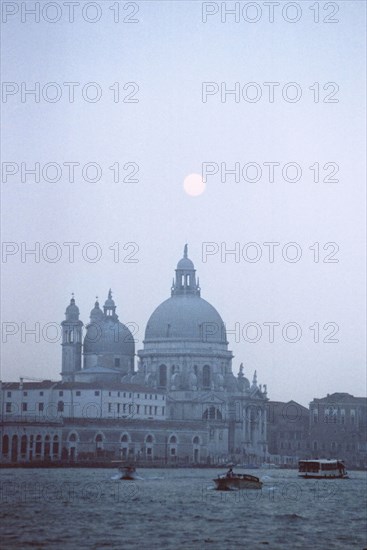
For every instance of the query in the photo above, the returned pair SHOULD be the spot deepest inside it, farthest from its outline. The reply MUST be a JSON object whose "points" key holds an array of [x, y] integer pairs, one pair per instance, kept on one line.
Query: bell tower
{"points": [[71, 342]]}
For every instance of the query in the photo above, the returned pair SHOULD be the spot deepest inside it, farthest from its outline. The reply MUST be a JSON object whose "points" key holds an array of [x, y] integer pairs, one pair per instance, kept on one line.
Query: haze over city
{"points": [[177, 124]]}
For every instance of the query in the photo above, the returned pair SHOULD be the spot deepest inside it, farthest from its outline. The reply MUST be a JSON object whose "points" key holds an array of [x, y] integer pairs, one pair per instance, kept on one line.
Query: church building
{"points": [[179, 403]]}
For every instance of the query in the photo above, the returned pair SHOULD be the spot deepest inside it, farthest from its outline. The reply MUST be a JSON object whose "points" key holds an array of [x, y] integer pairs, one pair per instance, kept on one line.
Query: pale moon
{"points": [[194, 185]]}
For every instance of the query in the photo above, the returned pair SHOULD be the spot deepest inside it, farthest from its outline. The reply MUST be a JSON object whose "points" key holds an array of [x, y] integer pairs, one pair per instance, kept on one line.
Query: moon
{"points": [[194, 185]]}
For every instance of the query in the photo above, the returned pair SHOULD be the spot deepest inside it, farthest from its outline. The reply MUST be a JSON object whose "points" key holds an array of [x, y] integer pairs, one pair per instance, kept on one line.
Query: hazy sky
{"points": [[169, 132]]}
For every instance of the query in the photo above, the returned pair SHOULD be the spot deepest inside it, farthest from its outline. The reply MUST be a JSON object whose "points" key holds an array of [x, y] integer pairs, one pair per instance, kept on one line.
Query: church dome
{"points": [[105, 334], [108, 336], [186, 316], [185, 263], [72, 311]]}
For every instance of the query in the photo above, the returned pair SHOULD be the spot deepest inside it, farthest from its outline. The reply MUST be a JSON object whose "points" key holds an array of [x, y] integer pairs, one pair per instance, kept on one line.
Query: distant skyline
{"points": [[179, 126]]}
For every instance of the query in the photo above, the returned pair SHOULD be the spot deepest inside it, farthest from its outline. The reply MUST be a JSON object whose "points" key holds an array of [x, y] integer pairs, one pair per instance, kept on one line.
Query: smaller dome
{"points": [[109, 303], [185, 263], [96, 314], [72, 311]]}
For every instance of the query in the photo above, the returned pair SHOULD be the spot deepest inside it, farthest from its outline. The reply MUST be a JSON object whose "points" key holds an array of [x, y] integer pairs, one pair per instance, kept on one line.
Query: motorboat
{"points": [[322, 469], [236, 482], [127, 472]]}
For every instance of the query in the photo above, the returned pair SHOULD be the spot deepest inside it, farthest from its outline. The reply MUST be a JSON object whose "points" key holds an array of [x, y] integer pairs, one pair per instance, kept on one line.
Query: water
{"points": [[88, 508]]}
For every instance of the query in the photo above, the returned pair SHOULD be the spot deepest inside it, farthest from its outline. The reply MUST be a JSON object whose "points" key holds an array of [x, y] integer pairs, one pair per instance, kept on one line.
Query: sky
{"points": [[157, 112]]}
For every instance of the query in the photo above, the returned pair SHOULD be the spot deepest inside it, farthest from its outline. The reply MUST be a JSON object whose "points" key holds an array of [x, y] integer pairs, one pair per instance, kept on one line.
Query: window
{"points": [[8, 407], [24, 406], [155, 410], [117, 361], [130, 394], [60, 406], [25, 393], [162, 411], [40, 406], [61, 393], [138, 395], [96, 393], [109, 394], [78, 393], [118, 394], [150, 397], [206, 376], [8, 394], [41, 393], [162, 376], [156, 396], [146, 397], [5, 444], [124, 393], [109, 407], [137, 409], [145, 409]]}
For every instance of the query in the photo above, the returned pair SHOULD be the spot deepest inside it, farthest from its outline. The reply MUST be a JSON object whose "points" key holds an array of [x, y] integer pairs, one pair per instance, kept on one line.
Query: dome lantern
{"points": [[109, 307], [185, 281]]}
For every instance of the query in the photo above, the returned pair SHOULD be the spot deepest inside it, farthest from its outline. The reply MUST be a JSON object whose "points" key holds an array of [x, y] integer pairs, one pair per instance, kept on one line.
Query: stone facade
{"points": [[338, 428], [288, 432]]}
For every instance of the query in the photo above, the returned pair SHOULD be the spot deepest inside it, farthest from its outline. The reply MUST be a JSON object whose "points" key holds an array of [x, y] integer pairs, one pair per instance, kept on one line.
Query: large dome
{"points": [[186, 317]]}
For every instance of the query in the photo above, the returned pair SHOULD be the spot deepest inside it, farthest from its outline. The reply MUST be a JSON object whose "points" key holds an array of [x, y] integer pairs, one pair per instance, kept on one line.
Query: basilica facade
{"points": [[176, 399]]}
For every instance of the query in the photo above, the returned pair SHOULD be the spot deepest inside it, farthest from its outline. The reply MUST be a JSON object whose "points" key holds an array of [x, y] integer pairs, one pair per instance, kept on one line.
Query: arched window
{"points": [[60, 406], [47, 446], [149, 439], [14, 448], [125, 438], [162, 376], [72, 437], [5, 444], [206, 376], [196, 440], [23, 445], [55, 445], [173, 440], [38, 444]]}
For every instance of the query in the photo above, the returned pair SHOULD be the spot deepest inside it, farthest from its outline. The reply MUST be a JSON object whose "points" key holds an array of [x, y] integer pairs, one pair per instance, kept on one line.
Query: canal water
{"points": [[178, 508]]}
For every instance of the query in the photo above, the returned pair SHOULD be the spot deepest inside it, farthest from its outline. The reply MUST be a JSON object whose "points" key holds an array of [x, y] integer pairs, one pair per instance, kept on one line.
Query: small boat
{"points": [[236, 482], [322, 469], [127, 472]]}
